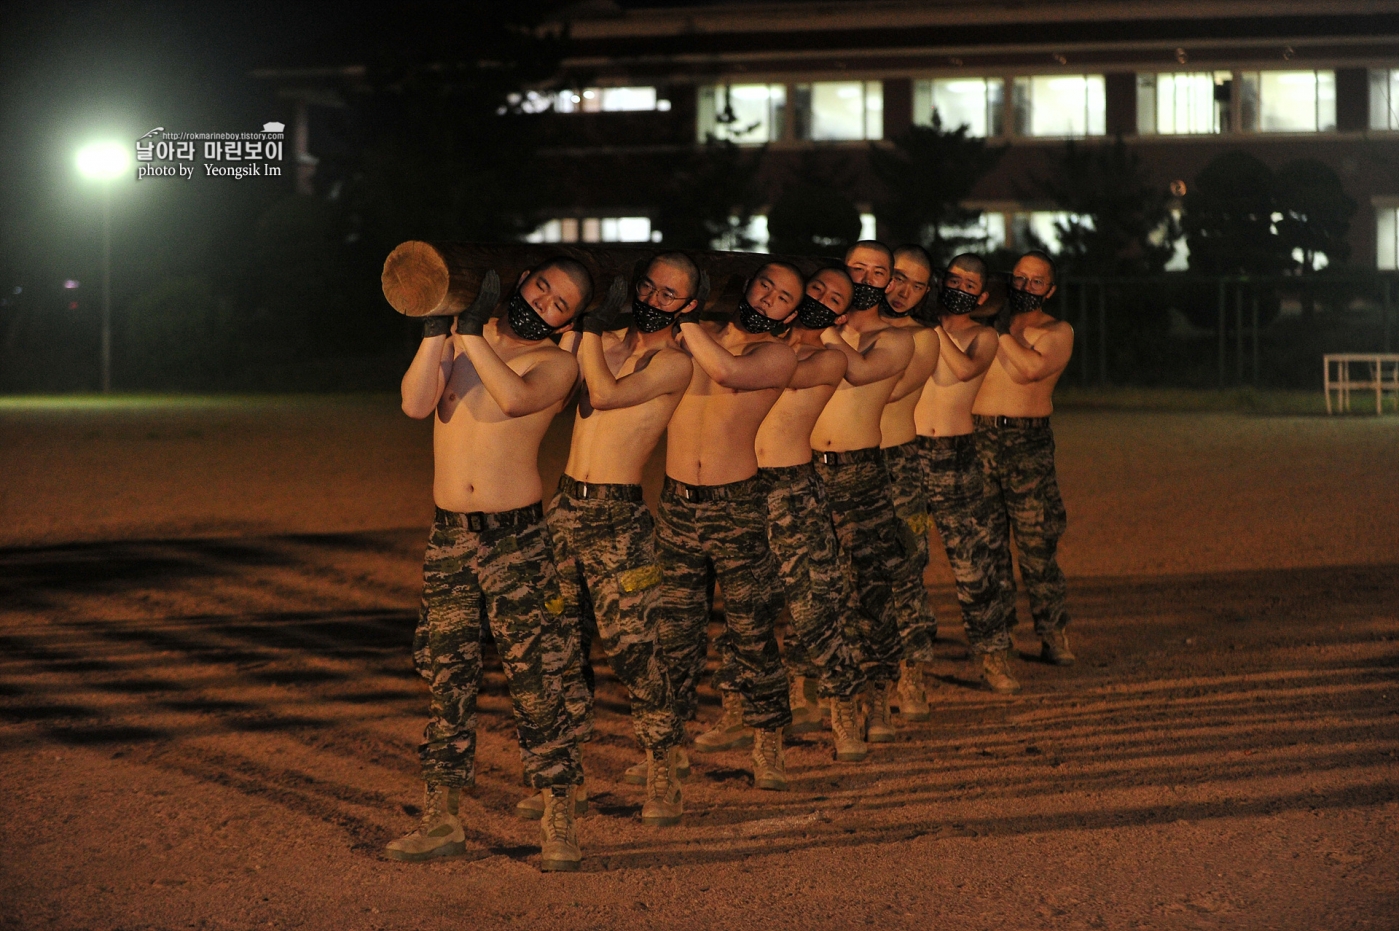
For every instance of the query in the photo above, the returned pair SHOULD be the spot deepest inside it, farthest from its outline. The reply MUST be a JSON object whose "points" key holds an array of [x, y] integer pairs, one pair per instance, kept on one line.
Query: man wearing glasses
{"points": [[1016, 447]]}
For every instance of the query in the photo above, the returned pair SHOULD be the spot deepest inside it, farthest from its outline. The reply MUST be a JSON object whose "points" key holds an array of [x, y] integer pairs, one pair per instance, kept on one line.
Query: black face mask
{"points": [[526, 322], [1022, 302], [813, 315], [751, 320], [953, 301], [647, 318], [865, 296]]}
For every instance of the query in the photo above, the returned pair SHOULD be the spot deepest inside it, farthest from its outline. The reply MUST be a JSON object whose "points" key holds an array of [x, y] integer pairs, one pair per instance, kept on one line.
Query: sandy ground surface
{"points": [[208, 715]]}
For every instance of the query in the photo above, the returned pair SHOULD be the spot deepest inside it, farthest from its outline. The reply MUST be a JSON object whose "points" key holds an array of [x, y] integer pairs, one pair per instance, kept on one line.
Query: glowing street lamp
{"points": [[104, 162]]}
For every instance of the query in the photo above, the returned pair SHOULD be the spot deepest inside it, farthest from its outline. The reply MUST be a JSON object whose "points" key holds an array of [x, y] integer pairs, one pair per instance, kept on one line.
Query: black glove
{"points": [[436, 326], [472, 321], [609, 313]]}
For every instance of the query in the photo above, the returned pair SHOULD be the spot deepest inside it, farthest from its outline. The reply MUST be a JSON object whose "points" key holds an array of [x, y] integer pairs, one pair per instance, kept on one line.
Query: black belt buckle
{"points": [[582, 488], [688, 493], [476, 522], [830, 459], [1002, 420]]}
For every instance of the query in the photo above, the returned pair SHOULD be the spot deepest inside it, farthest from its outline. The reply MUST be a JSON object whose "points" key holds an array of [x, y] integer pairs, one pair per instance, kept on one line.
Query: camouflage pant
{"points": [[802, 538], [856, 485], [913, 608], [961, 509], [496, 570], [605, 545], [721, 529], [1017, 458]]}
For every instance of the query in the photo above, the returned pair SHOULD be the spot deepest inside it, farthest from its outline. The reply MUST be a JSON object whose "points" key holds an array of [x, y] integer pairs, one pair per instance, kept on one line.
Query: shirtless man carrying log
{"points": [[918, 627], [494, 387], [952, 473], [1016, 447], [799, 528], [846, 442], [604, 537], [713, 513]]}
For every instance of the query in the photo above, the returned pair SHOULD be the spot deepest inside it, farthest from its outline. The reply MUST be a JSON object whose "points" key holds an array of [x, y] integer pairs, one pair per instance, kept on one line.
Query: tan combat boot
{"points": [[558, 832], [664, 803], [439, 834], [729, 732], [806, 706], [769, 767], [879, 718], [636, 774], [1056, 648], [995, 672], [848, 727], [531, 807], [911, 698]]}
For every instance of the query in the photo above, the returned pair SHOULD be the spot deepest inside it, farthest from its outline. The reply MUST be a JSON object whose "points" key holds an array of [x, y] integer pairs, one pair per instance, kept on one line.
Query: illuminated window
{"points": [[986, 232], [840, 110], [742, 112], [1183, 104], [591, 100], [1289, 101], [1041, 228], [1384, 99], [595, 229], [976, 103], [1060, 105], [1387, 238]]}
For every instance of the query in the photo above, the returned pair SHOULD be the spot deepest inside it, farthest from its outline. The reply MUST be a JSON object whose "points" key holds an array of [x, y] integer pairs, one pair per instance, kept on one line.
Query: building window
{"points": [[591, 100], [1387, 237], [1040, 228], [1060, 105], [1183, 104], [976, 103], [595, 229], [831, 111], [1289, 101], [742, 112], [1384, 99], [987, 232]]}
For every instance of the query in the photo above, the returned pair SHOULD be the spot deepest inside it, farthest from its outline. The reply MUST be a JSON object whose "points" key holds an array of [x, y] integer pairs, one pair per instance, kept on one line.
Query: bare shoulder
{"points": [[548, 356], [896, 338], [770, 349], [1051, 328]]}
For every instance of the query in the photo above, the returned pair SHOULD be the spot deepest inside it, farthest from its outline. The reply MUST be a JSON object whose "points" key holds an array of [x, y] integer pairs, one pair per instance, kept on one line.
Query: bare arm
{"points": [[769, 365], [920, 368], [981, 352], [1046, 358], [666, 372], [819, 368], [543, 384], [426, 377], [887, 356]]}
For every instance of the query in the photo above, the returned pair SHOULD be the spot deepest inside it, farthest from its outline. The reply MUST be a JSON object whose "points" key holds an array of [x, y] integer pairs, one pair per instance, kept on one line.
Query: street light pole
{"points": [[106, 287], [104, 162]]}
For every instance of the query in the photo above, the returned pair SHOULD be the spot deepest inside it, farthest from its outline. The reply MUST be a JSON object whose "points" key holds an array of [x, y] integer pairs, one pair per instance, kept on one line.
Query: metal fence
{"points": [[1186, 330]]}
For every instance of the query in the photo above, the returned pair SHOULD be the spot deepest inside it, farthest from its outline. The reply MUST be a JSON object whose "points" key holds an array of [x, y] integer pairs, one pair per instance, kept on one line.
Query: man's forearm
{"points": [[507, 388], [1028, 362], [422, 383]]}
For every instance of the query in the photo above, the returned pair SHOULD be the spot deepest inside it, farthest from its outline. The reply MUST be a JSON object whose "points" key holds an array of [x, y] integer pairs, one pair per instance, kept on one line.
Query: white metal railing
{"points": [[1361, 371]]}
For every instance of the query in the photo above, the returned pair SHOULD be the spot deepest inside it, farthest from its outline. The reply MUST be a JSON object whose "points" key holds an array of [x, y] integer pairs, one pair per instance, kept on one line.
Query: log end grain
{"points": [[416, 279]]}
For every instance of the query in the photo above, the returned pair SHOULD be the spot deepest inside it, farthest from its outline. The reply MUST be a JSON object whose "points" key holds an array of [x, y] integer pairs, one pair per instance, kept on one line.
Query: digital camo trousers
{"points": [[871, 551], [913, 607], [721, 529], [961, 510], [803, 540], [1017, 458], [505, 578], [610, 573]]}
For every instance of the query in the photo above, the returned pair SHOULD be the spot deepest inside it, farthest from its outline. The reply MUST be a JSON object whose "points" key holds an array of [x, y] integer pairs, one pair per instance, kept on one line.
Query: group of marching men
{"points": [[812, 438]]}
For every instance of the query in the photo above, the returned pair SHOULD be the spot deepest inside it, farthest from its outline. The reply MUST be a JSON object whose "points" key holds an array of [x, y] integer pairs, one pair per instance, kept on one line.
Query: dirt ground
{"points": [[208, 716]]}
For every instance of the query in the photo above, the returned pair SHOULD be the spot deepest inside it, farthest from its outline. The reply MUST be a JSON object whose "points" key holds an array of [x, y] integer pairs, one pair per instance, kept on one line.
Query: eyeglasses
{"points": [[1033, 285], [646, 289]]}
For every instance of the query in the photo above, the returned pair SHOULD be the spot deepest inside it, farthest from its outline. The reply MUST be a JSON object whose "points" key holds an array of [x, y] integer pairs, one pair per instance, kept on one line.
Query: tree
{"points": [[709, 200], [1120, 219], [1316, 214], [812, 215], [927, 173], [1228, 218]]}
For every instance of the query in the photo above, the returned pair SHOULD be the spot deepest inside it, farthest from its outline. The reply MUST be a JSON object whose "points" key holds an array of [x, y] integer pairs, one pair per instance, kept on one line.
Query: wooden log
{"points": [[423, 279]]}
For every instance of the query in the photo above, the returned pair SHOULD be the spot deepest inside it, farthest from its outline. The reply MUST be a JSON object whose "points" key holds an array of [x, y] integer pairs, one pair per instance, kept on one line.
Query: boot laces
{"points": [[556, 815], [766, 747], [843, 718], [660, 774], [913, 677]]}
